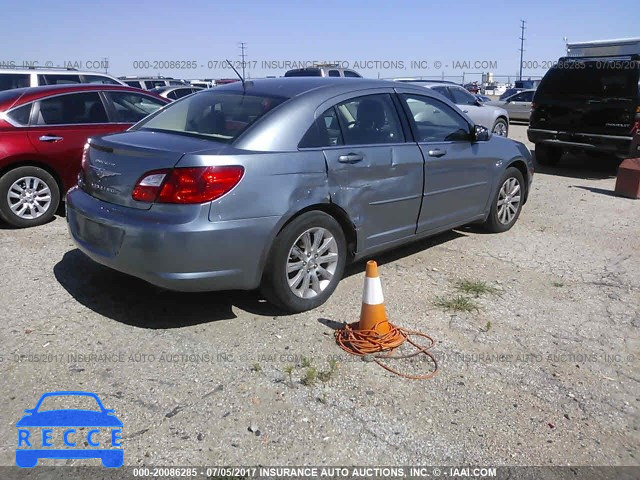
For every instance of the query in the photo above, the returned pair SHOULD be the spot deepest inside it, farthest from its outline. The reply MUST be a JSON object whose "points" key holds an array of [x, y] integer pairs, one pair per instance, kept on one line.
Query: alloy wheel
{"points": [[508, 200], [29, 198]]}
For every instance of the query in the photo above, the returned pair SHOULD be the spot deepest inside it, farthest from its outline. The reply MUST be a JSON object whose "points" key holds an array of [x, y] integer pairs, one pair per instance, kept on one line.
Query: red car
{"points": [[42, 133]]}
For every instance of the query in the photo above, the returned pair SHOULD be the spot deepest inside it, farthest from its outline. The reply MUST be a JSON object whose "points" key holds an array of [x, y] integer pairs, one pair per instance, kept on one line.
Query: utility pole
{"points": [[522, 29], [243, 47], [106, 64]]}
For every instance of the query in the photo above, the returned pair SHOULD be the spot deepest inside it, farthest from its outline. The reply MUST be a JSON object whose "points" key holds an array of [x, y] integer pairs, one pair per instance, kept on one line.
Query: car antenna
{"points": [[239, 76]]}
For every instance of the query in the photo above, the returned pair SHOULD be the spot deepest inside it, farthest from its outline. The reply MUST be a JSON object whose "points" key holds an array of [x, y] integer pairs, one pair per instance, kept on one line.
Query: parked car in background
{"points": [[511, 91], [472, 87], [518, 106], [323, 71], [422, 80], [496, 119], [205, 83], [483, 98], [42, 133], [34, 77], [494, 89], [588, 103], [263, 184], [174, 92], [147, 83]]}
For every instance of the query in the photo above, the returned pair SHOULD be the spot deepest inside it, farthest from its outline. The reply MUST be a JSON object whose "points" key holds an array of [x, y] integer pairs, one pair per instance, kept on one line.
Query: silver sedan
{"points": [[518, 105], [278, 183]]}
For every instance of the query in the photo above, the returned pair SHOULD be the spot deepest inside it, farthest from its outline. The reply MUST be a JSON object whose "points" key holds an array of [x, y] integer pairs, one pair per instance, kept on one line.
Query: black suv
{"points": [[586, 104]]}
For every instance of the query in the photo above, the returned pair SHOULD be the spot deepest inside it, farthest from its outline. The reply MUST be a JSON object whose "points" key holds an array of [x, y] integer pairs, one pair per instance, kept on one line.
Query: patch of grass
{"points": [[557, 284], [310, 377], [474, 287], [459, 303], [288, 369], [256, 367], [326, 375], [306, 362]]}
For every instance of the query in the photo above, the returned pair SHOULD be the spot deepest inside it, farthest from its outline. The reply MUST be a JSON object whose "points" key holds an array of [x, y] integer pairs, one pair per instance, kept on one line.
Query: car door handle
{"points": [[436, 152], [350, 158], [50, 138], [465, 111]]}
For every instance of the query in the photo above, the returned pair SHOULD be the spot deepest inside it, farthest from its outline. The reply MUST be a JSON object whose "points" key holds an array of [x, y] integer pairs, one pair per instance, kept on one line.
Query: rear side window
{"points": [[14, 80], [307, 72], [443, 91], [149, 84], [351, 74], [223, 116], [72, 109], [592, 79], [131, 107], [182, 92], [334, 73], [20, 115], [99, 79], [324, 132], [134, 84], [55, 79]]}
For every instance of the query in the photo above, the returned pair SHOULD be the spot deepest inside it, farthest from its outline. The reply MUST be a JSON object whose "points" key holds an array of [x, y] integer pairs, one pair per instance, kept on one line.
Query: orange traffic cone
{"points": [[374, 335], [373, 315]]}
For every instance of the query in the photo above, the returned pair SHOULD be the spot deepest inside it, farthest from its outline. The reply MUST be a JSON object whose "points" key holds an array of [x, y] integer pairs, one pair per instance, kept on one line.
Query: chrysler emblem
{"points": [[103, 173]]}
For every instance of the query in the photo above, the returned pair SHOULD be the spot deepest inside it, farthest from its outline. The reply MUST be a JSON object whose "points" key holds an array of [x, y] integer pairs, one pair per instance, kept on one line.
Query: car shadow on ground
{"points": [[585, 167], [134, 302], [601, 191]]}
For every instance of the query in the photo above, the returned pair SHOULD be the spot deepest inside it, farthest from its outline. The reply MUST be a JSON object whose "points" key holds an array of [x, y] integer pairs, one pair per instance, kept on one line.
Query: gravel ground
{"points": [[544, 372]]}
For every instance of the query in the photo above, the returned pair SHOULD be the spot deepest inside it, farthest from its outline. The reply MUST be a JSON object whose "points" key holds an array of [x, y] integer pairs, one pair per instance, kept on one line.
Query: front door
{"points": [[458, 173]]}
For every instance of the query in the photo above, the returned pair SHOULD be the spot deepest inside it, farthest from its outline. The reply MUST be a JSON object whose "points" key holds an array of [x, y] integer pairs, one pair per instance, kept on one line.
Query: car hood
{"points": [[69, 418]]}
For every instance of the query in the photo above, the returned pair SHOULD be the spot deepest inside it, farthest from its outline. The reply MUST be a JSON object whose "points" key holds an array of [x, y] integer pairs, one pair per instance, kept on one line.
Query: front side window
{"points": [[55, 79], [444, 91], [462, 96], [14, 80], [435, 121], [522, 97], [72, 109], [131, 107], [351, 74], [223, 116], [334, 73], [371, 119]]}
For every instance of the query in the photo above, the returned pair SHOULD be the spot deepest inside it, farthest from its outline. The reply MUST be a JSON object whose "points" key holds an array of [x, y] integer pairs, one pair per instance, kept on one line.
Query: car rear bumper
{"points": [[611, 144], [184, 251]]}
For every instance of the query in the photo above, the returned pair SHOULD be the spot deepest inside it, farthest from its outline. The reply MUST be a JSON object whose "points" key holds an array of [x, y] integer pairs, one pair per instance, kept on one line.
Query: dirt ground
{"points": [[543, 370]]}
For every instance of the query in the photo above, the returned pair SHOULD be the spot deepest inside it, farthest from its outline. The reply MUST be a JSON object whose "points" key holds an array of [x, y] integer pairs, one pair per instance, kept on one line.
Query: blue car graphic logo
{"points": [[40, 433]]}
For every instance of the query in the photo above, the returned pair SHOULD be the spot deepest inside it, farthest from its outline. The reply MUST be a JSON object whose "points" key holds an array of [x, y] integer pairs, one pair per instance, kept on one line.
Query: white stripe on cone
{"points": [[372, 293]]}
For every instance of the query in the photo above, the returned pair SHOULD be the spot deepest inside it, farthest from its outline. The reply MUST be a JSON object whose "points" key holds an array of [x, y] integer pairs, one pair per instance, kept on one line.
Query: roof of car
{"points": [[293, 86], [10, 97]]}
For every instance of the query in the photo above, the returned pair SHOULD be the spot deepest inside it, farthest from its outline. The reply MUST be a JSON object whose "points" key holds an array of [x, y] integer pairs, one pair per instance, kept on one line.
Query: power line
{"points": [[522, 29]]}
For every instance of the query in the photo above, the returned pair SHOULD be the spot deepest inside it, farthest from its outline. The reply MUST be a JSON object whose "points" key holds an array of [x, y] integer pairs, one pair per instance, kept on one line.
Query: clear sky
{"points": [[384, 37]]}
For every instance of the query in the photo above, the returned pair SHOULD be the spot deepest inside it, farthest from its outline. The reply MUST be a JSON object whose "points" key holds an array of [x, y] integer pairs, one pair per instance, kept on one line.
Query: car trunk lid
{"points": [[113, 164]]}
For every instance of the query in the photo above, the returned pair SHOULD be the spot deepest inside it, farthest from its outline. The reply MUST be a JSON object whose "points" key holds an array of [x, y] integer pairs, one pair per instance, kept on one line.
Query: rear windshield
{"points": [[14, 80], [213, 114], [593, 79], [307, 72]]}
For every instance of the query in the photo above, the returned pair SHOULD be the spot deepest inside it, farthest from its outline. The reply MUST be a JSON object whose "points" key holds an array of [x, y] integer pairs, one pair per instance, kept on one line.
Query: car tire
{"points": [[507, 202], [295, 277], [501, 127], [37, 188], [547, 154]]}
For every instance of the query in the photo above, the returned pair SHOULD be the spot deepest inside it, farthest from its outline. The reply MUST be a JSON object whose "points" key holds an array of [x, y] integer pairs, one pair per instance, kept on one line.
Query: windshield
{"points": [[591, 78], [223, 116]]}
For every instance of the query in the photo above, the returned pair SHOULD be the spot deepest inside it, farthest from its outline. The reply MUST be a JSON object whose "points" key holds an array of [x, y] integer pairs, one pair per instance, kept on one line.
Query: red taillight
{"points": [[187, 185]]}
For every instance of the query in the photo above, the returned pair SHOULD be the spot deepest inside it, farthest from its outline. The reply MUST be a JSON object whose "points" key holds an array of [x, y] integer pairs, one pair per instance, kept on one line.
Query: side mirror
{"points": [[479, 134]]}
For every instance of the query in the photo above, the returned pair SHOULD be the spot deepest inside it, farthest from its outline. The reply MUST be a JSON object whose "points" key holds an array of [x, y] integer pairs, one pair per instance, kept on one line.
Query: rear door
{"points": [[457, 173], [374, 172], [598, 96], [60, 126]]}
